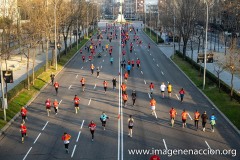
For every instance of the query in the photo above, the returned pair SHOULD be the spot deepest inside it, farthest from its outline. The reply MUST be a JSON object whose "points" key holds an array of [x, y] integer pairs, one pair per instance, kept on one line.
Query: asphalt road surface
{"points": [[149, 134]]}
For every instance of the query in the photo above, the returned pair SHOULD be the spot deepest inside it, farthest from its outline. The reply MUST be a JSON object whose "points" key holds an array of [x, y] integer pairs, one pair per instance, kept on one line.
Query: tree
{"points": [[232, 62], [218, 68]]}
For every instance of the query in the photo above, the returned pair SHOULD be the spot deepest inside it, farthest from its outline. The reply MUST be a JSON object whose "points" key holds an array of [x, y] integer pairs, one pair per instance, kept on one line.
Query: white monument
{"points": [[120, 18]]}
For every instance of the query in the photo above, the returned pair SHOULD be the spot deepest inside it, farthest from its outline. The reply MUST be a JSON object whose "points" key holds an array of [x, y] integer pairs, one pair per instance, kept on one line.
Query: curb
{"points": [[2, 131], [231, 124]]}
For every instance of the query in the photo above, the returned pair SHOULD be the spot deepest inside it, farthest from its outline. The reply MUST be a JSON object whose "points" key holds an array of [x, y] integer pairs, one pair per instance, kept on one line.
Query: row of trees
{"points": [[191, 13], [32, 23]]}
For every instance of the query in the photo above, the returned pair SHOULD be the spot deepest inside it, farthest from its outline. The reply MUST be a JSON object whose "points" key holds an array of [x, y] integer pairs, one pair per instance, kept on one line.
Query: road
{"points": [[44, 133]]}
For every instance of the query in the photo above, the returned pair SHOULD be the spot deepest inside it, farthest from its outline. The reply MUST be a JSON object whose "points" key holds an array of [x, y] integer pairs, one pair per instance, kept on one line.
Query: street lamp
{"points": [[205, 50], [55, 33], [59, 47]]}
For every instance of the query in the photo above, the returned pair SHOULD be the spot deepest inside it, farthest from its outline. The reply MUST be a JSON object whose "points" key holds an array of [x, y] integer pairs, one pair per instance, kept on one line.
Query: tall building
{"points": [[133, 9], [8, 8]]}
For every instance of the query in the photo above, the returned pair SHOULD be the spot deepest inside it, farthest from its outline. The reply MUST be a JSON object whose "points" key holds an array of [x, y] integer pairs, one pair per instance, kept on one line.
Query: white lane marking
{"points": [[177, 96], [45, 126], [82, 124], [60, 101], [82, 68], [78, 136], [135, 53], [208, 145], [190, 116], [165, 144], [162, 73], [76, 75], [153, 59], [27, 153], [69, 86], [150, 54], [145, 82], [167, 82], [142, 72], [94, 86], [86, 60], [89, 101], [37, 138], [101, 66], [149, 95], [157, 65], [73, 150], [103, 60]]}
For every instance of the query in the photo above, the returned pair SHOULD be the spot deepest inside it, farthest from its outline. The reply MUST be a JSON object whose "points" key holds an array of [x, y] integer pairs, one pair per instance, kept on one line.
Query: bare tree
{"points": [[218, 68], [232, 62]]}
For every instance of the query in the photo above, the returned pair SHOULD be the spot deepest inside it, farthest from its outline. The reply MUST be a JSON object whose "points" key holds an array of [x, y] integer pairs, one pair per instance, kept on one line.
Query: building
{"points": [[8, 9], [133, 9]]}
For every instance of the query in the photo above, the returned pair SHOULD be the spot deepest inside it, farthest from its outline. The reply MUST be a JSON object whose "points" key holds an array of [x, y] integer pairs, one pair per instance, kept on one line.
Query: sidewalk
{"points": [[224, 76], [20, 67]]}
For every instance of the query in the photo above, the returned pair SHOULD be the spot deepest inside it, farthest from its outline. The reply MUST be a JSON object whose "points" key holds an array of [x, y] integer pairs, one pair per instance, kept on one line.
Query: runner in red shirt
{"points": [[24, 114], [151, 87], [105, 86], [92, 127], [138, 63], [56, 86], [23, 130], [48, 106], [155, 157], [76, 103], [83, 58], [132, 64]]}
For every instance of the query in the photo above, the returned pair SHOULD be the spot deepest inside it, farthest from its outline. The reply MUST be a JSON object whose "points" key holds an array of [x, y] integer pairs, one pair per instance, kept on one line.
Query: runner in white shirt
{"points": [[162, 88]]}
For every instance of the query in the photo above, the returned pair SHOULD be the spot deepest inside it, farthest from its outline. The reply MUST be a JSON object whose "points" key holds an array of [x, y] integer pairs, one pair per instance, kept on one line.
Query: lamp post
{"points": [[174, 28], [205, 50], [87, 18], [145, 19], [59, 49], [55, 34], [150, 26]]}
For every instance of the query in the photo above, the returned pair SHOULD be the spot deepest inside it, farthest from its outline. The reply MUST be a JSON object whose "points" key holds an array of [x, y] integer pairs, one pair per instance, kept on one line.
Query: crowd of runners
{"points": [[95, 49]]}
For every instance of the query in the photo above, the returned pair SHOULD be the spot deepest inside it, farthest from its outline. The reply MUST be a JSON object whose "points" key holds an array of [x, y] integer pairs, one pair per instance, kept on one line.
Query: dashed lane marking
{"points": [[45, 125], [27, 153], [89, 101], [37, 138]]}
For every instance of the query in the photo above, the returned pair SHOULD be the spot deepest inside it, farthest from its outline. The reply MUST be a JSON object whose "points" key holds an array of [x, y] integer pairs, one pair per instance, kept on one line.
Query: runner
{"points": [[23, 130], [184, 118], [76, 103], [213, 121], [83, 58], [134, 96], [124, 88], [98, 71], [114, 81], [196, 118], [169, 88], [55, 105], [125, 98], [103, 119], [83, 84], [162, 88], [182, 92], [24, 114], [56, 86], [52, 76], [125, 76], [138, 63], [105, 86], [153, 106], [149, 46], [173, 114], [92, 127], [132, 62], [48, 106], [155, 157], [92, 68], [128, 69], [111, 60], [66, 140], [130, 125], [204, 120], [151, 87]]}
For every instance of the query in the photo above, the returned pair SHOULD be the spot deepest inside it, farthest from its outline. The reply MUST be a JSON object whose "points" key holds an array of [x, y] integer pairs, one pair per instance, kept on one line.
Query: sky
{"points": [[146, 1]]}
